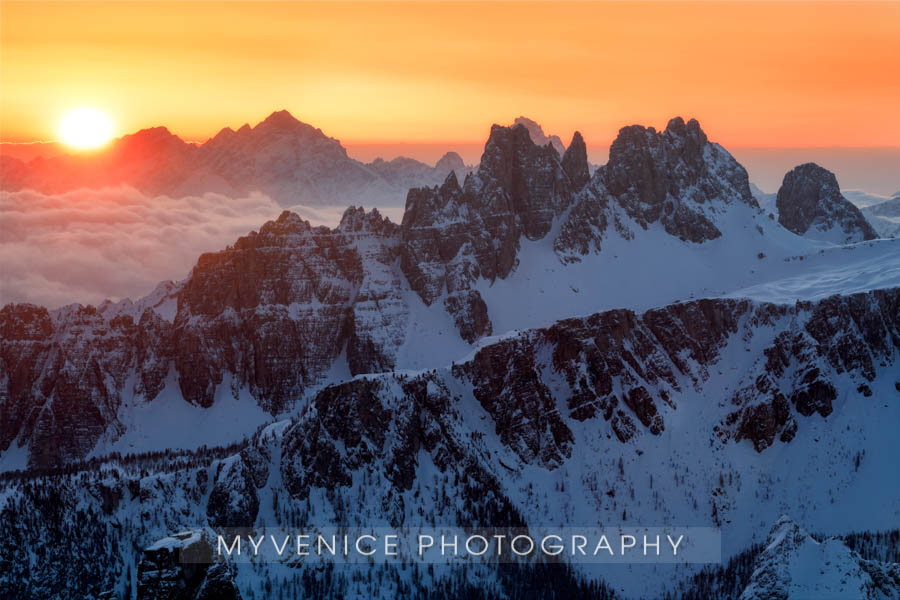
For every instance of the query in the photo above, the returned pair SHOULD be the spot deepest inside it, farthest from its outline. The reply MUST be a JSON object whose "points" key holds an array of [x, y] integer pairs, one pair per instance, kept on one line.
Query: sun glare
{"points": [[85, 128]]}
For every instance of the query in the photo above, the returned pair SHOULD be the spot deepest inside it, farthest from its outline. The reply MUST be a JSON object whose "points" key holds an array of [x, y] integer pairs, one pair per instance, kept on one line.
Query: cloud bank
{"points": [[88, 245]]}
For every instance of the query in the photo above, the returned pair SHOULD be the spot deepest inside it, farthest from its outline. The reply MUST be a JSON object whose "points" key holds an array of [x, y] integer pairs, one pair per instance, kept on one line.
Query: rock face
{"points": [[810, 204], [63, 376], [453, 235], [281, 305], [675, 178], [182, 567], [271, 313], [795, 565]]}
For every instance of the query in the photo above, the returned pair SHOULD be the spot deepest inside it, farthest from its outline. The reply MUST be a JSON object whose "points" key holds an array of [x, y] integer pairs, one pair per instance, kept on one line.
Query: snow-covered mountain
{"points": [[532, 345], [290, 161], [794, 565], [692, 414], [810, 203], [885, 216], [524, 241]]}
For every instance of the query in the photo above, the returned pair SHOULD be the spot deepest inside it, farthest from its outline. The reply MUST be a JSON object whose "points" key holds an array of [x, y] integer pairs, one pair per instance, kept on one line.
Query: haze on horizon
{"points": [[377, 75]]}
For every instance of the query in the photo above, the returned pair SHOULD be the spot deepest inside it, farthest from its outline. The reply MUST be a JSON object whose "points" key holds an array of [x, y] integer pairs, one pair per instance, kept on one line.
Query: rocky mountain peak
{"points": [[287, 223], [678, 128], [357, 219], [575, 162], [450, 185], [518, 177], [451, 161], [810, 204], [676, 177], [538, 136]]}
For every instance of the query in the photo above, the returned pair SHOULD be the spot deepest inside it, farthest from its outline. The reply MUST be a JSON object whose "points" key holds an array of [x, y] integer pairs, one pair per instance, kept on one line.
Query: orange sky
{"points": [[755, 74]]}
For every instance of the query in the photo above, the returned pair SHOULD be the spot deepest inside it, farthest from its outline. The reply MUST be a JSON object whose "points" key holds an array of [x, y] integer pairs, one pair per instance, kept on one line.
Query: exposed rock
{"points": [[233, 501], [675, 177], [453, 235], [810, 204], [575, 162], [182, 567]]}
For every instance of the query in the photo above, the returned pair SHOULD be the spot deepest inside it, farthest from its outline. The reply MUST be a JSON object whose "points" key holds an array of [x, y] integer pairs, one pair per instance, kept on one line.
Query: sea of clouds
{"points": [[88, 245]]}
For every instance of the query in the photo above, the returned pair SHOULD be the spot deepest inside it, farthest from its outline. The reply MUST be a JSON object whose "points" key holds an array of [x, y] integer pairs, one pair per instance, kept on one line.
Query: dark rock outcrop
{"points": [[182, 567], [575, 162], [810, 204]]}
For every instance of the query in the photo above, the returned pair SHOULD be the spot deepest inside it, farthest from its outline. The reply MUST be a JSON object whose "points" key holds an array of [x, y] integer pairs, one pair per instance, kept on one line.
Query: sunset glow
{"points": [[85, 128], [755, 74]]}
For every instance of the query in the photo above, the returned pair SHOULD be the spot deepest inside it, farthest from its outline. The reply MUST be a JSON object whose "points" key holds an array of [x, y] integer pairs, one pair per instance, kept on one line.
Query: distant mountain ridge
{"points": [[291, 161], [885, 217]]}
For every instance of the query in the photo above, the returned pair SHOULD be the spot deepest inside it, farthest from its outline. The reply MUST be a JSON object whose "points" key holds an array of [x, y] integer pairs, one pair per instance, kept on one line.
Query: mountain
{"points": [[885, 217], [863, 199], [531, 346], [538, 136], [662, 417], [292, 162], [765, 200], [795, 565], [258, 327], [810, 203]]}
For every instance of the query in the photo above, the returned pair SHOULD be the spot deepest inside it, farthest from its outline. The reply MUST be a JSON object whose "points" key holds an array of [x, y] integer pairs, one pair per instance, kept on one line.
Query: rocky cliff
{"points": [[810, 203]]}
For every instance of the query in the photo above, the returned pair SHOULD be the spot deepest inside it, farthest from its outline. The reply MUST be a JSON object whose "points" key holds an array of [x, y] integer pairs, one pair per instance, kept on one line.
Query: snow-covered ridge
{"points": [[614, 418], [794, 565]]}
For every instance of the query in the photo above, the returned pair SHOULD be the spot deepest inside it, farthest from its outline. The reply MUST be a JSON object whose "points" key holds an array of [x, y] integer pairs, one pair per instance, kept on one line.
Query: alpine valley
{"points": [[538, 343]]}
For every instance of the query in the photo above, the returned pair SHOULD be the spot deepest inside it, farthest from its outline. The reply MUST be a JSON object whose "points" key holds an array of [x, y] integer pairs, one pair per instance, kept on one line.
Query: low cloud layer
{"points": [[88, 245]]}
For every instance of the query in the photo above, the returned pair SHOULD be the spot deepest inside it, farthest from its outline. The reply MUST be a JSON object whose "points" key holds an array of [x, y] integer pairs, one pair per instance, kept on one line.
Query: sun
{"points": [[85, 128]]}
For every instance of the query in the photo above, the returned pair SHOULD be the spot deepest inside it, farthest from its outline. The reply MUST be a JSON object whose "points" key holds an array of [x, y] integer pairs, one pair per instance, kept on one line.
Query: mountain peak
{"points": [[356, 219], [810, 204], [538, 136], [153, 141], [674, 177], [152, 135], [796, 565], [691, 129], [287, 223], [575, 163], [281, 118], [451, 161]]}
